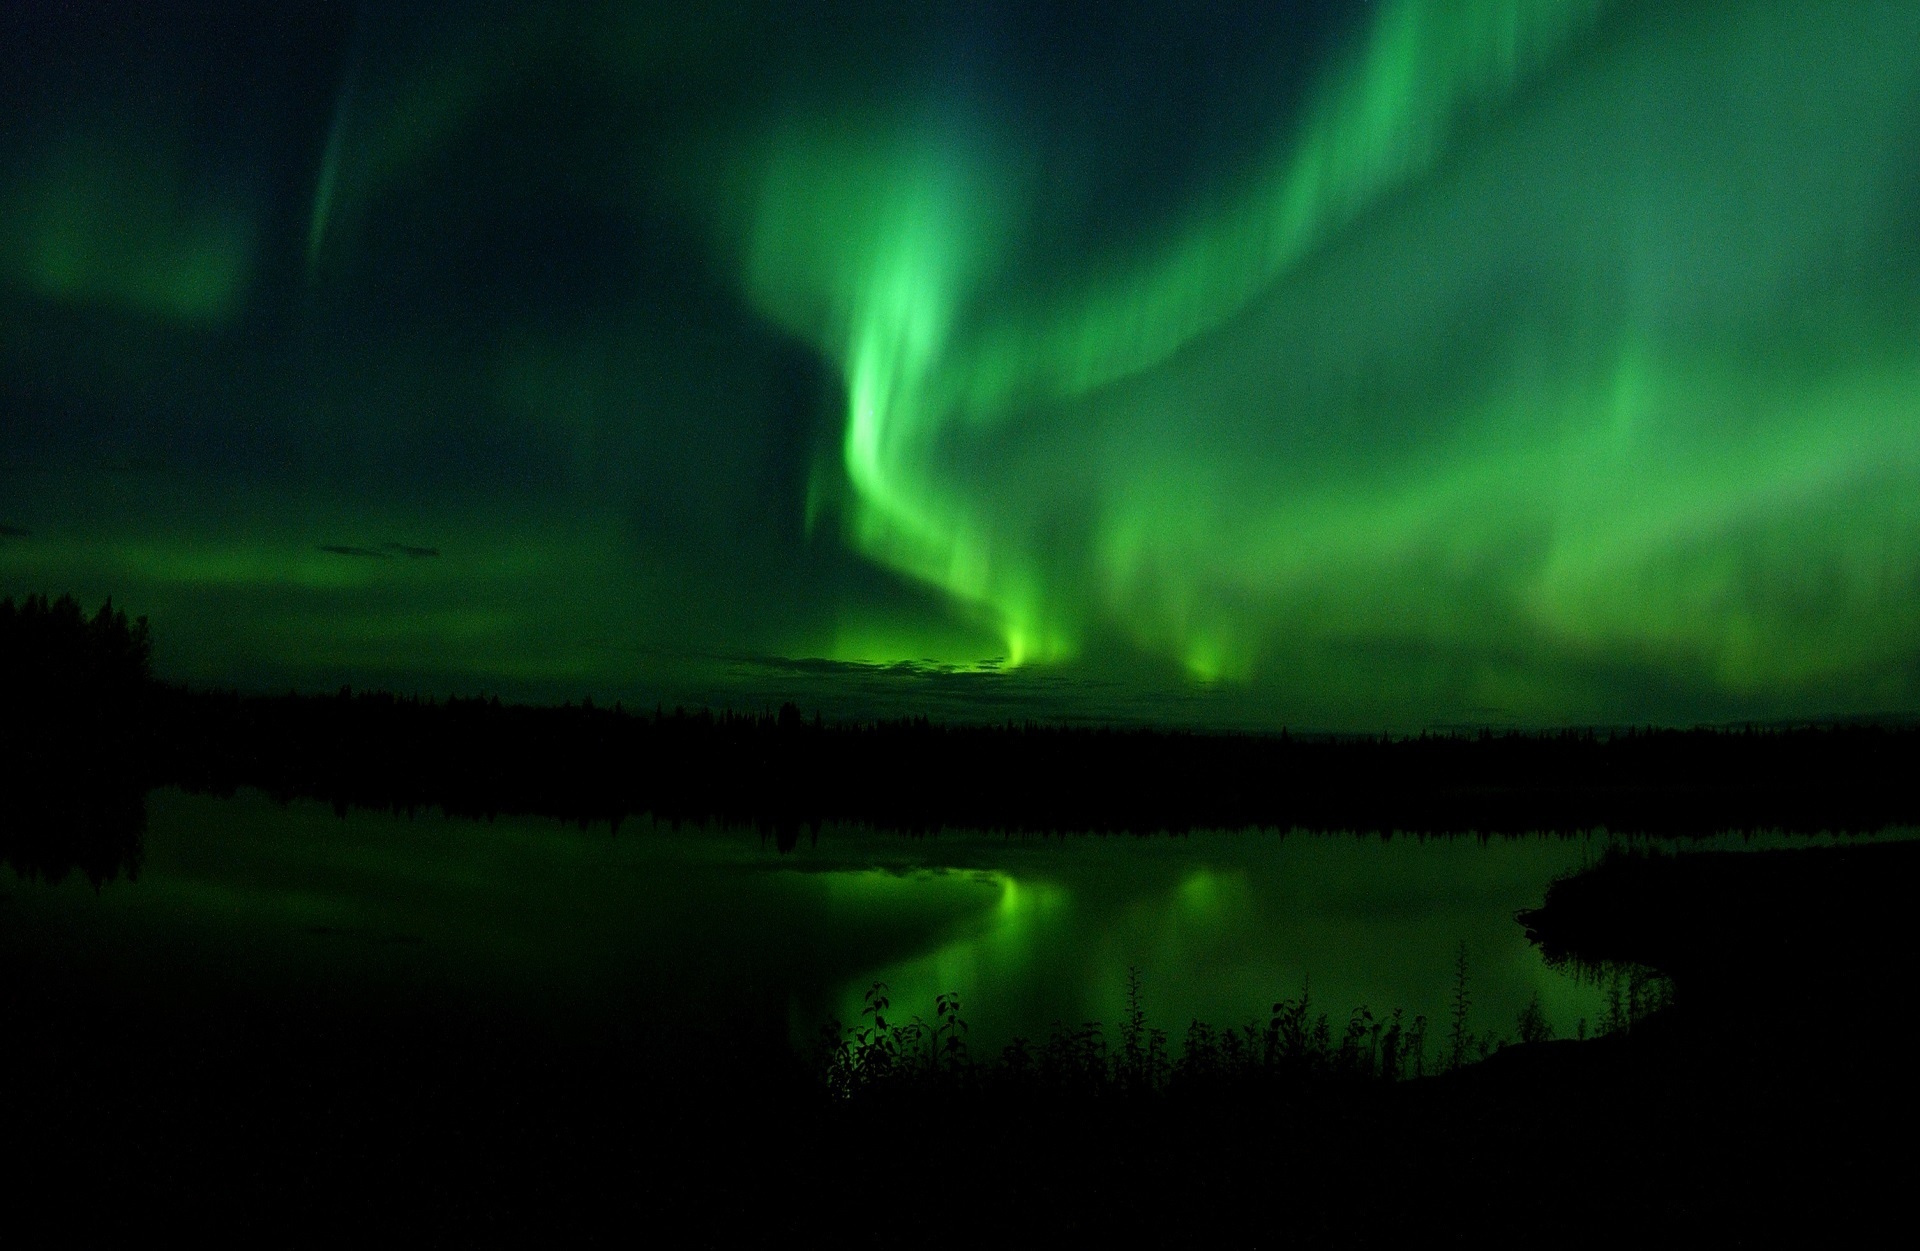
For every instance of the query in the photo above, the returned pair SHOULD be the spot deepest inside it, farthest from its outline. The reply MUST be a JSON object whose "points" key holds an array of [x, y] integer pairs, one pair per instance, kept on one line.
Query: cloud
{"points": [[365, 553], [386, 551]]}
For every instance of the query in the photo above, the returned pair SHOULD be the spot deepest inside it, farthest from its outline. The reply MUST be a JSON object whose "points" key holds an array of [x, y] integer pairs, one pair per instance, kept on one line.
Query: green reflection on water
{"points": [[1220, 926], [997, 951], [680, 937]]}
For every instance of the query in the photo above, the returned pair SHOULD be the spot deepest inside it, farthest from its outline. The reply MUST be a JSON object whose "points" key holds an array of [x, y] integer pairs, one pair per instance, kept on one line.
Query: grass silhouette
{"points": [[1297, 1045]]}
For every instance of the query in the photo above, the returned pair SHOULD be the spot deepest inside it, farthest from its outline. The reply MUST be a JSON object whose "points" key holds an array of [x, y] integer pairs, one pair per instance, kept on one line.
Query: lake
{"points": [[683, 939]]}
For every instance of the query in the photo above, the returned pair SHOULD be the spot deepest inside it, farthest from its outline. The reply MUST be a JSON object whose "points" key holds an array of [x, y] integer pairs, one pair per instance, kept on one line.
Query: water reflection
{"points": [[87, 822], [663, 937], [1220, 926], [1008, 954]]}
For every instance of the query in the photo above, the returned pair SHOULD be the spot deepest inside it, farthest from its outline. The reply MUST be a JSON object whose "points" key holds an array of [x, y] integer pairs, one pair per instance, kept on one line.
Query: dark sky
{"points": [[1346, 365]]}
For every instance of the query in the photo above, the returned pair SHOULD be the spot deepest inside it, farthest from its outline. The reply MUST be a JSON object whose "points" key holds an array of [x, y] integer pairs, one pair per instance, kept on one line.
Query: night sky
{"points": [[1332, 365]]}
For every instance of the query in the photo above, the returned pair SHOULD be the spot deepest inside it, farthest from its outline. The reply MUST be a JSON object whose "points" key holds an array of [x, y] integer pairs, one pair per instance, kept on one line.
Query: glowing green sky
{"points": [[1329, 364]]}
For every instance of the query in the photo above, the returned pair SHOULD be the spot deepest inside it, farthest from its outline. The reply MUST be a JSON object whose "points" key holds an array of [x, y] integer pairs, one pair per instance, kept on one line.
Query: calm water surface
{"points": [[696, 932]]}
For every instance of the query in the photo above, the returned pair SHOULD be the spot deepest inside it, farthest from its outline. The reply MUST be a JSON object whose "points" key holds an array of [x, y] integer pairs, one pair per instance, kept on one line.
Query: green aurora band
{"points": [[1520, 360], [893, 252], [1614, 363]]}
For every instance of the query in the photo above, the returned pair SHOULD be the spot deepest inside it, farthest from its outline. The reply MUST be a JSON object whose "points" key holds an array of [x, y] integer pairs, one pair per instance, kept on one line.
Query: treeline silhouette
{"points": [[92, 711], [788, 773]]}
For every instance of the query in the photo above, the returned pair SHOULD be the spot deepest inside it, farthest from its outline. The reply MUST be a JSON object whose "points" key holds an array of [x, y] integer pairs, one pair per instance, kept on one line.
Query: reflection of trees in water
{"points": [[94, 826]]}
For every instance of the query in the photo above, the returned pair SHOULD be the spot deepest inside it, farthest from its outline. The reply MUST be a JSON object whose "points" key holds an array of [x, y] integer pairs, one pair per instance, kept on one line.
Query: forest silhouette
{"points": [[89, 725]]}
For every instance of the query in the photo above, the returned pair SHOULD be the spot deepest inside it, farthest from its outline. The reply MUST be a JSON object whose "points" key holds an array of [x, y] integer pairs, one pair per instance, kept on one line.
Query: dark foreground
{"points": [[1771, 1104]]}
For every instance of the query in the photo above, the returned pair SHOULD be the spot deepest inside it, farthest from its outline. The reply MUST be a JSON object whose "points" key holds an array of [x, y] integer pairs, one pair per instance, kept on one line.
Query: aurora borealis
{"points": [[1349, 365]]}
